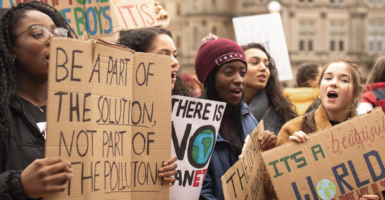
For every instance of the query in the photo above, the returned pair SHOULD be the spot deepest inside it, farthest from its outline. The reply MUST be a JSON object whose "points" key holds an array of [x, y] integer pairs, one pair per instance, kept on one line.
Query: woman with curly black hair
{"points": [[158, 41], [263, 94], [25, 32]]}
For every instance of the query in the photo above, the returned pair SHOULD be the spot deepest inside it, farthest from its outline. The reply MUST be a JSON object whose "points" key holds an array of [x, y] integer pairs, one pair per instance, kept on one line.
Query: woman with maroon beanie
{"points": [[221, 67]]}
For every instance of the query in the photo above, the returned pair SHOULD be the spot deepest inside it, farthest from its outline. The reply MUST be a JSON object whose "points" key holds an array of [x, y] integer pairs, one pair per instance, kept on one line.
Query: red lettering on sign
{"points": [[367, 134], [196, 178], [152, 19], [129, 10]]}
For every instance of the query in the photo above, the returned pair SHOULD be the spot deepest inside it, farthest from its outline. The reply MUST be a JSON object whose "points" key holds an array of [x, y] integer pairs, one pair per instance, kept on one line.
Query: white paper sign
{"points": [[195, 124], [268, 31]]}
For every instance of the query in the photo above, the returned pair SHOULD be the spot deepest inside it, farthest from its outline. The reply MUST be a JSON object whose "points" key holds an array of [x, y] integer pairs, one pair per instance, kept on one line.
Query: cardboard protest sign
{"points": [[244, 180], [195, 124], [109, 114], [267, 30], [342, 162], [101, 18]]}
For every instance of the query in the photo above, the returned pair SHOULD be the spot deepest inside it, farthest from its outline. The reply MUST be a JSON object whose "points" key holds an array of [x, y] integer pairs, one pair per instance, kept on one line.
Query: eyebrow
{"points": [[51, 27], [166, 50], [329, 73], [256, 57]]}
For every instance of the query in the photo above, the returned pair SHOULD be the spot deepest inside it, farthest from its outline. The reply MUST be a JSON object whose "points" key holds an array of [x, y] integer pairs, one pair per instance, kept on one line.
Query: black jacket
{"points": [[26, 144]]}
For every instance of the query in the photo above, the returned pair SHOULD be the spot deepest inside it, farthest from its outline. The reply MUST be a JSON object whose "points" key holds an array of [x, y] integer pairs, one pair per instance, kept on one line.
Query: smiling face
{"points": [[164, 45], [258, 72], [32, 56], [230, 82], [336, 88]]}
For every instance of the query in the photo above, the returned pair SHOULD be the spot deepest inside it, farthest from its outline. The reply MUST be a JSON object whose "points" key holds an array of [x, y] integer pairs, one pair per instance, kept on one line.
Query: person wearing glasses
{"points": [[25, 34]]}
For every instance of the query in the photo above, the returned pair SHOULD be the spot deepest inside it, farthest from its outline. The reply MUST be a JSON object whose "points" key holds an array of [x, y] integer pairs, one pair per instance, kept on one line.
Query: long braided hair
{"points": [[10, 19]]}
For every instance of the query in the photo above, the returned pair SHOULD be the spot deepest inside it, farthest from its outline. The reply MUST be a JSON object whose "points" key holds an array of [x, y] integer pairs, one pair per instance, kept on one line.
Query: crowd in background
{"points": [[245, 77]]}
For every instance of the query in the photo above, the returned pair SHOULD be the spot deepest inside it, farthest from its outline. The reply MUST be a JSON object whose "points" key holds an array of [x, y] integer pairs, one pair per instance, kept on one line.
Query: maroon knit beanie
{"points": [[214, 53]]}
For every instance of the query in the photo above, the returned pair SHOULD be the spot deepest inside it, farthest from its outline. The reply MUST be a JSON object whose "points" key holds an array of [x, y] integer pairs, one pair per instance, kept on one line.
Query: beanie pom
{"points": [[209, 38]]}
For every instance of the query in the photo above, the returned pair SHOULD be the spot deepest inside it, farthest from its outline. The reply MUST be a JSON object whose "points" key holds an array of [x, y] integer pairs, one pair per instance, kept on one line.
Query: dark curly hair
{"points": [[10, 19], [305, 72], [278, 102], [142, 40]]}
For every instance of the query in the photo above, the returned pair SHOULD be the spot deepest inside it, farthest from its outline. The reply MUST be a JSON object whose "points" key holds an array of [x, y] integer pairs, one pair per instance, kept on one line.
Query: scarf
{"points": [[258, 107]]}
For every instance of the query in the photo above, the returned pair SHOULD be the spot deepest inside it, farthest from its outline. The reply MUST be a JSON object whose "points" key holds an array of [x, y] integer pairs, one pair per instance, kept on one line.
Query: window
{"points": [[214, 30], [337, 36], [196, 38], [310, 45], [306, 36], [341, 45], [375, 37], [302, 45], [178, 9], [177, 42], [332, 45]]}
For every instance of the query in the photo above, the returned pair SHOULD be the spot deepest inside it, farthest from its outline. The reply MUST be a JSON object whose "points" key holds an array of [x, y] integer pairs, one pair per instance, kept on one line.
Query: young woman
{"points": [[375, 89], [263, 95], [340, 92], [158, 41], [221, 67], [25, 32]]}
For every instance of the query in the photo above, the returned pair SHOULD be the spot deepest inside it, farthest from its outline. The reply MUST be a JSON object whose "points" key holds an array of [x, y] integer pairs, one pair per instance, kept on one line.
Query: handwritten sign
{"points": [[342, 162], [101, 18], [244, 180], [195, 124], [109, 115], [267, 30]]}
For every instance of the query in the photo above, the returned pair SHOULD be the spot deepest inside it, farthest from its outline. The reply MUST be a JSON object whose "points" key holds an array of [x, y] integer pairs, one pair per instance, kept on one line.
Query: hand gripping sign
{"points": [[195, 124], [342, 162], [109, 115]]}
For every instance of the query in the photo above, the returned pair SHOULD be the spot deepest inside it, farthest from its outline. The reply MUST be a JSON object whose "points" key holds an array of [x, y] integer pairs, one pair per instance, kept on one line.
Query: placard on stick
{"points": [[102, 18], [109, 114], [244, 180], [342, 162], [267, 30], [195, 125]]}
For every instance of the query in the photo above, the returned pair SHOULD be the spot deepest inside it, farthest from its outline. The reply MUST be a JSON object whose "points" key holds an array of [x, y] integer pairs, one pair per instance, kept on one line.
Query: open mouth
{"points": [[332, 95], [237, 91], [173, 74], [47, 57], [262, 76]]}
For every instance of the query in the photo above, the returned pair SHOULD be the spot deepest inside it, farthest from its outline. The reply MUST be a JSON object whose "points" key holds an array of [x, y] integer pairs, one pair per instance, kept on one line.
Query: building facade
{"points": [[315, 30]]}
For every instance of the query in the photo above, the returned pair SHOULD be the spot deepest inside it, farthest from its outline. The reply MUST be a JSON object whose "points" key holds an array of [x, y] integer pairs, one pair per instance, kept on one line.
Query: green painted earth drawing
{"points": [[326, 189], [202, 146]]}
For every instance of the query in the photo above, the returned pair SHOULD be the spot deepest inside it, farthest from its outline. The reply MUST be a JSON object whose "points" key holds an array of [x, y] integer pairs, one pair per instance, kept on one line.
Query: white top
{"points": [[364, 107]]}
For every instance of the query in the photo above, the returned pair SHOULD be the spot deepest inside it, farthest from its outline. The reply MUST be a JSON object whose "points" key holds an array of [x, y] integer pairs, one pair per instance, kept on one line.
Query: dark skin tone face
{"points": [[230, 81], [31, 57]]}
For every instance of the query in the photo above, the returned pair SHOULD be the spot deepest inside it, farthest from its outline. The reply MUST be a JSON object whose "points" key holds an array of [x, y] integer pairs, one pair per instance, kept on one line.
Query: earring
{"points": [[319, 96]]}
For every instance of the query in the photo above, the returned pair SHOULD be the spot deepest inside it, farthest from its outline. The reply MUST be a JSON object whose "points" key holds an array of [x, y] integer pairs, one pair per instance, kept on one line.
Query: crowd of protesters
{"points": [[246, 78]]}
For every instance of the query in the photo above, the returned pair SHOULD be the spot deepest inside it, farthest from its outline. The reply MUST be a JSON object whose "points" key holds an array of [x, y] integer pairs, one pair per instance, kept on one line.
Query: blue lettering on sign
{"points": [[370, 167], [356, 178], [92, 32], [1, 3], [312, 189], [340, 178], [64, 14], [108, 18]]}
